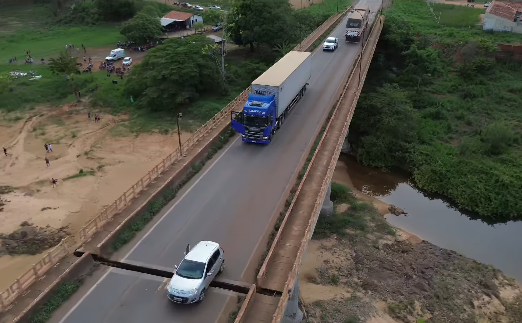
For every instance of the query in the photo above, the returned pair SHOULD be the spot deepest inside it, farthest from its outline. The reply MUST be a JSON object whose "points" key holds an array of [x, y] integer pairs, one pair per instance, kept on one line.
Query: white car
{"points": [[198, 8], [331, 43], [127, 61], [195, 273], [215, 7], [487, 4]]}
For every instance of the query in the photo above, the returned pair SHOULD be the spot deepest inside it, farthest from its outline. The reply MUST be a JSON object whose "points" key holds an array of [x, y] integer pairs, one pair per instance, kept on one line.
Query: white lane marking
{"points": [[181, 198]]}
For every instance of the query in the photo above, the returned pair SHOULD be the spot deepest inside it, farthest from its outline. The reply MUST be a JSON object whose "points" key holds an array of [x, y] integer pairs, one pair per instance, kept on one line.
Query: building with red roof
{"points": [[178, 20], [504, 16]]}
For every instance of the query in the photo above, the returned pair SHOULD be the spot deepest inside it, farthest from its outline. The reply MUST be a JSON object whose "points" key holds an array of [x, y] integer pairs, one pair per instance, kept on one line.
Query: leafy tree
{"points": [[383, 130], [199, 26], [173, 74], [141, 28], [254, 22], [151, 11], [113, 10], [212, 16], [64, 64]]}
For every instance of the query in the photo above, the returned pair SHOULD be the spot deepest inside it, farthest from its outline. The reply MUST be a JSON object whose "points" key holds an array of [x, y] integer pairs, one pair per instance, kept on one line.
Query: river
{"points": [[436, 221]]}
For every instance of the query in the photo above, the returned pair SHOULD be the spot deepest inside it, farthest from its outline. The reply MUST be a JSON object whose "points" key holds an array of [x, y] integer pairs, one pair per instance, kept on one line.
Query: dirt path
{"points": [[111, 164]]}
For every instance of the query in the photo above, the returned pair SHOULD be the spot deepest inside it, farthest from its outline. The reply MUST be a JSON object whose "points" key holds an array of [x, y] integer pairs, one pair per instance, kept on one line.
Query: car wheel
{"points": [[201, 296], [222, 267]]}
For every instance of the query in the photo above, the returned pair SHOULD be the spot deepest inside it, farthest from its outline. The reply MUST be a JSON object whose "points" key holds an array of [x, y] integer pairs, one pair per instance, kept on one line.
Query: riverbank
{"points": [[368, 271]]}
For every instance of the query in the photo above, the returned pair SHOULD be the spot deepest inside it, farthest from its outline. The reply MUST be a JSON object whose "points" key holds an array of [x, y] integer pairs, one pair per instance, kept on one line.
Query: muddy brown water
{"points": [[436, 221]]}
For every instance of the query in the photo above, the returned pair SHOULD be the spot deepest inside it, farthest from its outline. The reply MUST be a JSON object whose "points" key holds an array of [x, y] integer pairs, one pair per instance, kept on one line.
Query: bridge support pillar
{"points": [[292, 313], [328, 207]]}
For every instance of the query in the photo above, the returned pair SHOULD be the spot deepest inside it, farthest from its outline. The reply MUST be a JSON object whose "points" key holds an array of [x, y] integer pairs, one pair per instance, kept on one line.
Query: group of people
{"points": [[96, 116], [70, 48]]}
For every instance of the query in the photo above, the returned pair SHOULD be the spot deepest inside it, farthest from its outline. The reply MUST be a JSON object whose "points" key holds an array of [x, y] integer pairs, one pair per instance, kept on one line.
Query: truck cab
{"points": [[256, 123]]}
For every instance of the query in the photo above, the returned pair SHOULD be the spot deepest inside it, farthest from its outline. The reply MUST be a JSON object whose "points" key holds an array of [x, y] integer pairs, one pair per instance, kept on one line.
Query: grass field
{"points": [[30, 27]]}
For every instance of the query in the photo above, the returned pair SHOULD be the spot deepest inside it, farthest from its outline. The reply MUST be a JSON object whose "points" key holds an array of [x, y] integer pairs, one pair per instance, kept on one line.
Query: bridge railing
{"points": [[52, 257], [289, 285]]}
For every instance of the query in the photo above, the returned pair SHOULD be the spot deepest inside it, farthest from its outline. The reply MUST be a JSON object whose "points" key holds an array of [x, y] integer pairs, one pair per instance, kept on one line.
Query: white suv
{"points": [[331, 43], [195, 273]]}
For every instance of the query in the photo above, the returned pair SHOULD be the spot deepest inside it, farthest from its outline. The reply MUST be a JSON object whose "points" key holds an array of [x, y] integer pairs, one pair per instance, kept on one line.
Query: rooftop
{"points": [[505, 9], [283, 68], [178, 15], [202, 251]]}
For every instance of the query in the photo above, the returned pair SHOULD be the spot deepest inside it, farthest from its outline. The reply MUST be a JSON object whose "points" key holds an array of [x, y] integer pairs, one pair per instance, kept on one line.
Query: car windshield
{"points": [[329, 41], [191, 269]]}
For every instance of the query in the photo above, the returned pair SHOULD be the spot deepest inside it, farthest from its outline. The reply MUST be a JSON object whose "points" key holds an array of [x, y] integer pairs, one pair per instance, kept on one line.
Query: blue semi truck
{"points": [[273, 96]]}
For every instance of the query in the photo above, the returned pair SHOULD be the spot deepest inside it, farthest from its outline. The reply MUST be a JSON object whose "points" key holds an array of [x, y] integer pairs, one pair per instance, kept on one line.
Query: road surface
{"points": [[231, 203]]}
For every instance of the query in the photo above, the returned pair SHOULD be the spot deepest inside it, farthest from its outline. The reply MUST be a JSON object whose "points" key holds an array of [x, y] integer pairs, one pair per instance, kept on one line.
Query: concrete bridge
{"points": [[235, 200], [280, 270]]}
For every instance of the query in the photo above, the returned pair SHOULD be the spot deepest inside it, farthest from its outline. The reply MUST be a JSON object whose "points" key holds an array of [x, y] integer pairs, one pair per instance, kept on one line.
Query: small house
{"points": [[504, 16], [177, 20]]}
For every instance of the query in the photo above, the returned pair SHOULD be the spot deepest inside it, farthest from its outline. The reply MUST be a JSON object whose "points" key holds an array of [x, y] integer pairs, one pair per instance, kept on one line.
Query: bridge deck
{"points": [[261, 309], [307, 205]]}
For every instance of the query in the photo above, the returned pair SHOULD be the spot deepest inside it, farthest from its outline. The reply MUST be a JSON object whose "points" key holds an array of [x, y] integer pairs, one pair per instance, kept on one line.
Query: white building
{"points": [[177, 20], [504, 16]]}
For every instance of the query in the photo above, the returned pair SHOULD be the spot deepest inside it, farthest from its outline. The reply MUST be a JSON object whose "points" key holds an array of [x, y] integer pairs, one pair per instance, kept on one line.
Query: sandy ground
{"points": [[117, 162], [353, 297]]}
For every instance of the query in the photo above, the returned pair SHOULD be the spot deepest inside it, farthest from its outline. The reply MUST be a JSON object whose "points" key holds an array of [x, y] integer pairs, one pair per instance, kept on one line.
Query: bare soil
{"points": [[374, 273], [111, 158]]}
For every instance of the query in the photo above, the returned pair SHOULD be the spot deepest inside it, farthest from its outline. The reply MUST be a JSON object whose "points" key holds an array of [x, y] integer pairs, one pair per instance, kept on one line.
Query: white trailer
{"points": [[285, 79]]}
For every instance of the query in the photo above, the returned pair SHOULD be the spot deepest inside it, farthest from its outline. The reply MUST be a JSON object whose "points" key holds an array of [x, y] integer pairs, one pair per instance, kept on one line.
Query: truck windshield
{"points": [[253, 121], [353, 23]]}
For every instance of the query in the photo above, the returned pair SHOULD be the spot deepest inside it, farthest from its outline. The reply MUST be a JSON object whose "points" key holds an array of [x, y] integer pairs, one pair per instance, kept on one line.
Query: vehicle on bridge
{"points": [[274, 95], [357, 23], [331, 43], [195, 273]]}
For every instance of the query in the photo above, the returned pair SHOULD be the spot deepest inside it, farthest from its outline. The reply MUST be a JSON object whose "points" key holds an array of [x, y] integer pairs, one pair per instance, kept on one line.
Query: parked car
{"points": [[217, 27], [186, 5], [127, 61], [198, 8], [215, 8], [487, 4], [196, 271], [331, 43]]}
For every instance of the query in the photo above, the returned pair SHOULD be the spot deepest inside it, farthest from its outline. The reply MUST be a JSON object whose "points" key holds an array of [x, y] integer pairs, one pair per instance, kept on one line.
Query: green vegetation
{"points": [[154, 207], [178, 76], [355, 218], [142, 28], [63, 293], [438, 103], [81, 173]]}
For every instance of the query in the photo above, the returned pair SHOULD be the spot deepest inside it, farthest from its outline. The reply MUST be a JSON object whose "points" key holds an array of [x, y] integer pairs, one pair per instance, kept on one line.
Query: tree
{"points": [[199, 26], [254, 22], [212, 16], [383, 130], [66, 65], [141, 28], [116, 9], [173, 74]]}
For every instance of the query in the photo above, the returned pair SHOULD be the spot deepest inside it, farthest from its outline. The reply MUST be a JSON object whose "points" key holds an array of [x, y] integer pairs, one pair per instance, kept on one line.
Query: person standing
{"points": [[89, 115], [54, 181], [5, 151], [47, 162], [50, 147], [46, 148]]}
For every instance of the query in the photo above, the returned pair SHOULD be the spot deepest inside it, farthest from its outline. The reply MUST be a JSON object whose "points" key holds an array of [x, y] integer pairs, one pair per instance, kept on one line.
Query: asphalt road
{"points": [[230, 203]]}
